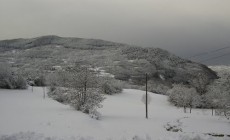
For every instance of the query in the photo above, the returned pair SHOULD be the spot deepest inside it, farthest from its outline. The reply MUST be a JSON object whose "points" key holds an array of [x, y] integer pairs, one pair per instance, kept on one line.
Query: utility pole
{"points": [[44, 92], [146, 97]]}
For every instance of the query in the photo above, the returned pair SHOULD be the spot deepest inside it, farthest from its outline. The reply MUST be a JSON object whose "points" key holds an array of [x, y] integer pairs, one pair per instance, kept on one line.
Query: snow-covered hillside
{"points": [[40, 56], [220, 68], [25, 115]]}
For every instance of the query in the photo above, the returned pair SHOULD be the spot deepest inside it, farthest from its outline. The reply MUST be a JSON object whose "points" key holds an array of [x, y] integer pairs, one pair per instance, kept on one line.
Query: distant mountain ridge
{"points": [[125, 62], [46, 40]]}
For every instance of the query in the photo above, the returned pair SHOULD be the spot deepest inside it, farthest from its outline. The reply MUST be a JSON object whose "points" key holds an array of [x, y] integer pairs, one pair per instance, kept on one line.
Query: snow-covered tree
{"points": [[79, 87], [92, 100], [10, 79], [87, 95], [218, 95], [183, 96], [158, 87], [110, 86], [212, 98], [200, 82], [82, 80]]}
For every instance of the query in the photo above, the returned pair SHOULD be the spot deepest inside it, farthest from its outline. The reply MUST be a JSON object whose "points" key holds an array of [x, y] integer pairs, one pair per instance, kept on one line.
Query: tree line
{"points": [[216, 97]]}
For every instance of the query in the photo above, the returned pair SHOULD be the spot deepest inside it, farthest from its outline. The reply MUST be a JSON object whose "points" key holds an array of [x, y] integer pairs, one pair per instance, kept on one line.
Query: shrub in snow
{"points": [[173, 128], [110, 86], [60, 94], [10, 79], [223, 112], [95, 114], [40, 81], [89, 100], [188, 136], [19, 82], [158, 87], [147, 137], [52, 81], [38, 136], [59, 79], [122, 74], [137, 138]]}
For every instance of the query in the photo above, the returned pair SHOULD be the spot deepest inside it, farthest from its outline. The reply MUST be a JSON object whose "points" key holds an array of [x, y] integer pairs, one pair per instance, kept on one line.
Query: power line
{"points": [[199, 54], [205, 60], [221, 49], [209, 52]]}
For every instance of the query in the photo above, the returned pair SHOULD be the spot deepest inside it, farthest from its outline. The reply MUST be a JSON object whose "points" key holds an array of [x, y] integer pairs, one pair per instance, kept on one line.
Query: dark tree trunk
{"points": [[146, 99], [212, 111], [44, 93], [84, 92]]}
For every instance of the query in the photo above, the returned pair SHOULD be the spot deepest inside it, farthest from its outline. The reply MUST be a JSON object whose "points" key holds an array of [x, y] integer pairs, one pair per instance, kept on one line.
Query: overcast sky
{"points": [[184, 27]]}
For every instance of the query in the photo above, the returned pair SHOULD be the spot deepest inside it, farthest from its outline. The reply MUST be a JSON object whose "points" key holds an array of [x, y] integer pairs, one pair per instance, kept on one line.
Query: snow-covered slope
{"points": [[123, 119], [42, 55], [220, 68]]}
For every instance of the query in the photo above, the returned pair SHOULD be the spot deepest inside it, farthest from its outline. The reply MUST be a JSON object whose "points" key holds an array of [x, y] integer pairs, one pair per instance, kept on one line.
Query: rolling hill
{"points": [[124, 62]]}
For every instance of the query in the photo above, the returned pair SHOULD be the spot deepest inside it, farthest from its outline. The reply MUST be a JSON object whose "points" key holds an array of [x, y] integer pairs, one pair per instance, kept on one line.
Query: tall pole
{"points": [[44, 92], [146, 99], [212, 111]]}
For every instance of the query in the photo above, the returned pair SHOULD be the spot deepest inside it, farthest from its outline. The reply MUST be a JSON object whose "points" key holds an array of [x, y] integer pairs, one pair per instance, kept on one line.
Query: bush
{"points": [[19, 82], [61, 95], [11, 80], [86, 102], [95, 114], [158, 87], [53, 81], [40, 81], [110, 87], [122, 76]]}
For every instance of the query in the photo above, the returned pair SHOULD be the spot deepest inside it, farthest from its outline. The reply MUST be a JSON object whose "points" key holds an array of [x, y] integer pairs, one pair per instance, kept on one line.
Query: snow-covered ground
{"points": [[25, 115]]}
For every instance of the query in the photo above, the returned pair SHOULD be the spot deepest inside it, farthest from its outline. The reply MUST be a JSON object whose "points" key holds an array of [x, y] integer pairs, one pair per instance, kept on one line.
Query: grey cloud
{"points": [[184, 27]]}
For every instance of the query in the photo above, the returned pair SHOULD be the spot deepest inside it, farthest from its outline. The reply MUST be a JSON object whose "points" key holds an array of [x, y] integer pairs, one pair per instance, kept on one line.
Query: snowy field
{"points": [[25, 115]]}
